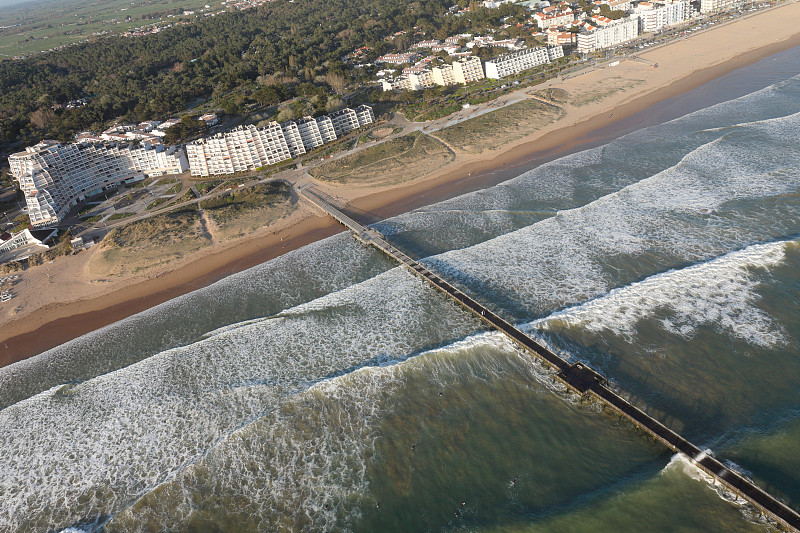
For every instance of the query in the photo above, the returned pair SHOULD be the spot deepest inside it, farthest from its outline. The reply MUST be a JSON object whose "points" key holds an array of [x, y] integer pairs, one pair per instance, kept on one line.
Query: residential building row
{"points": [[55, 176], [250, 147], [471, 69]]}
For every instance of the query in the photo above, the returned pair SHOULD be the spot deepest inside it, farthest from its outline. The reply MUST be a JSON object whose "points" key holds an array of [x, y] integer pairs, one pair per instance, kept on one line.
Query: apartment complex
{"points": [[55, 176], [516, 62], [660, 15], [714, 6], [243, 148], [443, 75], [611, 35], [467, 69], [248, 147]]}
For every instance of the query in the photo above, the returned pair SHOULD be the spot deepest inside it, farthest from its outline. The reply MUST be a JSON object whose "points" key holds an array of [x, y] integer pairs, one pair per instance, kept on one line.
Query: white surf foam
{"points": [[721, 293], [89, 448]]}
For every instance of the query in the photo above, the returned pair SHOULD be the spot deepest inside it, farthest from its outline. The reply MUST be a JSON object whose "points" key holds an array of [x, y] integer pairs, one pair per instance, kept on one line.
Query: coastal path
{"points": [[578, 377]]}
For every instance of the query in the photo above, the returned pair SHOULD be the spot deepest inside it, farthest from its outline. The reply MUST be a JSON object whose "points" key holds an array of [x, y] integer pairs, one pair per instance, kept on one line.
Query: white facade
{"points": [[325, 125], [241, 149], [55, 176], [467, 69], [248, 148], [611, 35], [713, 6], [663, 15], [23, 238], [343, 121], [420, 80], [293, 138], [309, 133], [516, 62], [443, 75], [365, 115], [545, 21]]}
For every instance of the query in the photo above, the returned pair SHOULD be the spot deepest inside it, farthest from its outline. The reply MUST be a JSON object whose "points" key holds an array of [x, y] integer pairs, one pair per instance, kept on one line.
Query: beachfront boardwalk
{"points": [[576, 376]]}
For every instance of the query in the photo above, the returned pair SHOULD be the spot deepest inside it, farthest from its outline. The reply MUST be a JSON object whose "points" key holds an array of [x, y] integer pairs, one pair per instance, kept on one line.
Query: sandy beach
{"points": [[62, 300]]}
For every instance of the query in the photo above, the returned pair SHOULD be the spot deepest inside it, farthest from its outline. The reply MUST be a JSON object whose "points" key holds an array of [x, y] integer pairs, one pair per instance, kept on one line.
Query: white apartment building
{"points": [[401, 83], [55, 176], [344, 120], [713, 6], [443, 75], [516, 62], [421, 79], [560, 38], [325, 125], [425, 44], [654, 17], [398, 59], [243, 148], [611, 35], [618, 5], [467, 69], [545, 21], [309, 133], [293, 138], [248, 147], [365, 115]]}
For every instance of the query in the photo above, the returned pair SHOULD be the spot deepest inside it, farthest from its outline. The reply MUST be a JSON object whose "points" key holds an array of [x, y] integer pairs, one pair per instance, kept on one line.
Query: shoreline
{"points": [[56, 323]]}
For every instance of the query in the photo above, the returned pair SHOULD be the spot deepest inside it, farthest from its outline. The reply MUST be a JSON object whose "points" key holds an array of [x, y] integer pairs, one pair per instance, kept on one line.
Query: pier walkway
{"points": [[578, 377]]}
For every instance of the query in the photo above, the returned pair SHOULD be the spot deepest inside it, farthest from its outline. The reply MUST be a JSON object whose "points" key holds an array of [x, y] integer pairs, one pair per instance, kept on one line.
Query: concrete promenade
{"points": [[578, 377]]}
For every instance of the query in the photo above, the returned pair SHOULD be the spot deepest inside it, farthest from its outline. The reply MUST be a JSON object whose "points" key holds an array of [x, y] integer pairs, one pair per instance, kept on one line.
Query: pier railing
{"points": [[578, 377]]}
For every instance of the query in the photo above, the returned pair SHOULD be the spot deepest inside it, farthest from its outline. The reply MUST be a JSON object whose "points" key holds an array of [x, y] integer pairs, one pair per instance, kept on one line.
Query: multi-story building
{"points": [[443, 75], [249, 147], [398, 59], [425, 44], [421, 79], [618, 5], [560, 38], [365, 115], [714, 6], [309, 133], [243, 148], [467, 69], [344, 120], [293, 138], [516, 62], [401, 83], [545, 20], [611, 35], [325, 125], [55, 176], [654, 17]]}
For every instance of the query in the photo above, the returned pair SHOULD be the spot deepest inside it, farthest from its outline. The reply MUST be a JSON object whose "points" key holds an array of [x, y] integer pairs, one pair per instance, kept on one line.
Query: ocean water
{"points": [[329, 390]]}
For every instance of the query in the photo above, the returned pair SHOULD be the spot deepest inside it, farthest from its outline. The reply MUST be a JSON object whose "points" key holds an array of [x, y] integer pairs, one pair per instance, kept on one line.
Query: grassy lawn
{"points": [[400, 159], [119, 216], [502, 126]]}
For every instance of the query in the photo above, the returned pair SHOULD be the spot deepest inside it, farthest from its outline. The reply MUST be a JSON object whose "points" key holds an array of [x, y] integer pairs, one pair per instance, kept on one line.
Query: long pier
{"points": [[578, 377]]}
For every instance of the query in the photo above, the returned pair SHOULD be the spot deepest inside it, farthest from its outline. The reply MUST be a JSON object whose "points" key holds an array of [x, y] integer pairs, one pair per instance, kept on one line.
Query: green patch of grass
{"points": [[92, 219], [119, 216]]}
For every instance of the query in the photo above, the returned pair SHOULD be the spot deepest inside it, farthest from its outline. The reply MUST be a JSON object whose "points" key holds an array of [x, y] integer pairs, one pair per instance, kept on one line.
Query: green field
{"points": [[37, 26]]}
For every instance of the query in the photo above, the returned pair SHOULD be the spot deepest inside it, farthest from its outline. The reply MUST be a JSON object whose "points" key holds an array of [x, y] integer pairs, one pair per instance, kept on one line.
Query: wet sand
{"points": [[56, 323]]}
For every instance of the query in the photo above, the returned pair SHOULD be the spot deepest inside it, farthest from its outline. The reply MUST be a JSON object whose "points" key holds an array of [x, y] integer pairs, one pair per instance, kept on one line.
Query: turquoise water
{"points": [[328, 390]]}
